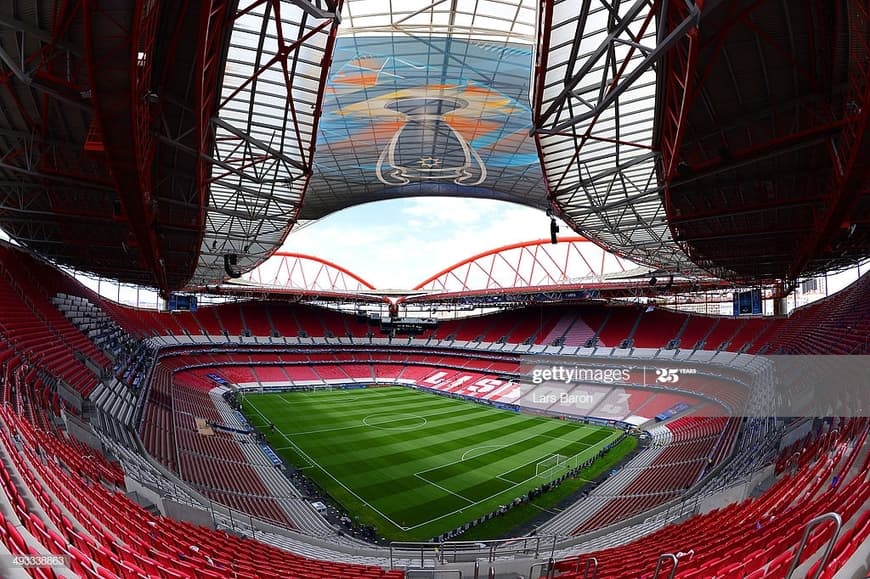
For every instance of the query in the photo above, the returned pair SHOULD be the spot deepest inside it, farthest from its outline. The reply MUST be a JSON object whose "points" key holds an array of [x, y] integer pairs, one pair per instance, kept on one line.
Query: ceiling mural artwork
{"points": [[425, 116]]}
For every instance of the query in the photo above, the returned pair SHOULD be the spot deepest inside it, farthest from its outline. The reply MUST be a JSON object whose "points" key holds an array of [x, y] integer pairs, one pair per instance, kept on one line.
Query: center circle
{"points": [[394, 421]]}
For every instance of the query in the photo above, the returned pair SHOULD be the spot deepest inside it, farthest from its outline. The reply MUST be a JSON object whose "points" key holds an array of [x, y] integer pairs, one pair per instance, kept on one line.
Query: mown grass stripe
{"points": [[419, 458]]}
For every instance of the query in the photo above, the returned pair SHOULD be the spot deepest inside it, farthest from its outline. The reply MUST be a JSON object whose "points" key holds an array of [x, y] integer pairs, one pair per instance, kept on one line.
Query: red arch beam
{"points": [[291, 264], [525, 264]]}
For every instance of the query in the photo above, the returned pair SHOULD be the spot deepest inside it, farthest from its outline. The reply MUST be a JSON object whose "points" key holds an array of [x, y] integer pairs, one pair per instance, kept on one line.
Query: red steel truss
{"points": [[259, 104], [527, 272], [528, 264], [119, 43], [58, 195], [764, 150], [299, 271]]}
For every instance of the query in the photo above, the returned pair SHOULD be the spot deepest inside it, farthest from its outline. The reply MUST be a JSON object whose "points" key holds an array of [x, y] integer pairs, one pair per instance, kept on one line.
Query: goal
{"points": [[550, 465]]}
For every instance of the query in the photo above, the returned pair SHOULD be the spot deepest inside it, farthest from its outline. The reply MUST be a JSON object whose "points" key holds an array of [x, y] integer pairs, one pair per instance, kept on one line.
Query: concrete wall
{"points": [[70, 395], [82, 432], [187, 513]]}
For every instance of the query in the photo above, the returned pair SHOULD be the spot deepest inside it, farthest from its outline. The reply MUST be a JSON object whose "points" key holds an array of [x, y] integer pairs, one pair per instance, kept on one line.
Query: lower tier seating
{"points": [[757, 538]]}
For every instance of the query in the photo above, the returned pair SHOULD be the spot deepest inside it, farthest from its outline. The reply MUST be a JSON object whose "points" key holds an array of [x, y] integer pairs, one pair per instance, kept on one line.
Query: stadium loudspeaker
{"points": [[683, 169], [230, 259], [653, 281], [554, 229]]}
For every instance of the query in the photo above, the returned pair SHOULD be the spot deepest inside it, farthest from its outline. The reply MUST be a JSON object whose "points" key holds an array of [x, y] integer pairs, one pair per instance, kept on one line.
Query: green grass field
{"points": [[415, 464]]}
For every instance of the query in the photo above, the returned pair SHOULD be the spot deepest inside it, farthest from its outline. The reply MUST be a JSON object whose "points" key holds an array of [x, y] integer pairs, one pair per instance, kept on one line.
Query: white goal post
{"points": [[550, 464]]}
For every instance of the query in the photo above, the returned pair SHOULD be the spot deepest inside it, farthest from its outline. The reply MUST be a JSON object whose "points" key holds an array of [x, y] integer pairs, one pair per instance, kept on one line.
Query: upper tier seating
{"points": [[836, 325], [34, 328]]}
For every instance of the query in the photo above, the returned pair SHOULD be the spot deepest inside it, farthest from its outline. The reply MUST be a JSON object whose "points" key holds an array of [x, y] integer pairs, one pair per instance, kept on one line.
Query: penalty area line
{"points": [[313, 462], [494, 447], [446, 490]]}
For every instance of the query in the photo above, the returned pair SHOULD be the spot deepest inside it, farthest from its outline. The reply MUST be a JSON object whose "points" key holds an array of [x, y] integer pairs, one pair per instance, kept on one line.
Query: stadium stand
{"points": [[758, 537], [231, 319], [63, 498], [812, 329], [270, 374], [102, 531], [619, 328], [683, 449], [696, 152], [257, 321], [174, 389]]}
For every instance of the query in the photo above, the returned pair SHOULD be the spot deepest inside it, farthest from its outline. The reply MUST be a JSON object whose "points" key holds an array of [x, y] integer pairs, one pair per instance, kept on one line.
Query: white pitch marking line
{"points": [[493, 446], [329, 474], [446, 490], [444, 515], [380, 426]]}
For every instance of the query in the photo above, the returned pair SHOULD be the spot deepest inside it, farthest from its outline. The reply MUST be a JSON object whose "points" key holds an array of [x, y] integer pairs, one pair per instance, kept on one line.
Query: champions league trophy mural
{"points": [[428, 143], [400, 117], [426, 147]]}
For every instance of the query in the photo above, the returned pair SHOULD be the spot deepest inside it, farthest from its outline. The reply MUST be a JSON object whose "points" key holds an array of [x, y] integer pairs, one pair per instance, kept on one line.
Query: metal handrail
{"points": [[551, 568], [662, 557], [535, 566], [793, 462], [423, 548], [832, 439], [431, 573], [838, 523], [590, 562], [451, 551]]}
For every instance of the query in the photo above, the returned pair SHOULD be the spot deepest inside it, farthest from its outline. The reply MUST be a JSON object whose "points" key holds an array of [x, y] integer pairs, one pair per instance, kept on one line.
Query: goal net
{"points": [[550, 465]]}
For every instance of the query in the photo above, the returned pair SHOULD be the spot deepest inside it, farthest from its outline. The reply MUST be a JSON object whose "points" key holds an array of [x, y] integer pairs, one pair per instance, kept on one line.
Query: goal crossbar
{"points": [[551, 463]]}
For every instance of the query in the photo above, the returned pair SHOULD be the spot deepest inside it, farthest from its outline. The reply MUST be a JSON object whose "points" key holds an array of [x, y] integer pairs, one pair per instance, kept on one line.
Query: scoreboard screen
{"points": [[181, 303], [747, 303]]}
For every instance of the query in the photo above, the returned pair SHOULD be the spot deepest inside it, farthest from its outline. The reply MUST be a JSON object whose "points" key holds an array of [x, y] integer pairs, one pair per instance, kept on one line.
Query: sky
{"points": [[399, 243]]}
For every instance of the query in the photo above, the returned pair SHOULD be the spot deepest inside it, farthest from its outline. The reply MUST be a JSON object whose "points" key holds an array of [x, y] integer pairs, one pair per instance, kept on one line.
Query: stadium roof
{"points": [[596, 117], [769, 178], [178, 145], [428, 98]]}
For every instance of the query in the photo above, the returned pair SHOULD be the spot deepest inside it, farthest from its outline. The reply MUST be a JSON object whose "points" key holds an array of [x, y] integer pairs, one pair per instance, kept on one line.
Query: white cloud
{"points": [[399, 243], [448, 210]]}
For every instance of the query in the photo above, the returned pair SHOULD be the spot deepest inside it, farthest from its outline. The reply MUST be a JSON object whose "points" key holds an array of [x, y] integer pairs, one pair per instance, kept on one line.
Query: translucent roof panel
{"points": [[423, 98], [596, 109], [405, 115], [502, 21], [434, 98], [263, 134]]}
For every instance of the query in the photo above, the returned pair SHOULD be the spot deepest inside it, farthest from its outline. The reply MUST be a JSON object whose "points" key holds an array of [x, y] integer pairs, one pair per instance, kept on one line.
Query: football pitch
{"points": [[414, 464]]}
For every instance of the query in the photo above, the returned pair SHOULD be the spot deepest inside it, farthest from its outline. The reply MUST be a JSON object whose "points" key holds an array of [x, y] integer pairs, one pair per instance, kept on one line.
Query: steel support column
{"points": [[119, 42]]}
